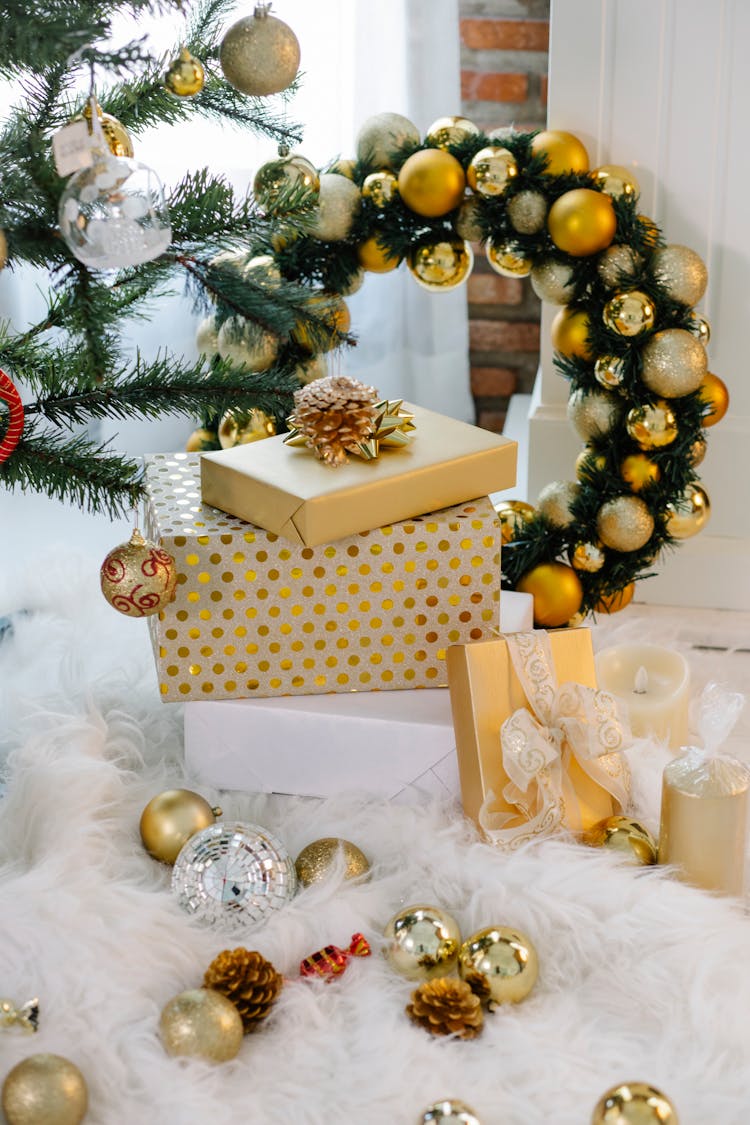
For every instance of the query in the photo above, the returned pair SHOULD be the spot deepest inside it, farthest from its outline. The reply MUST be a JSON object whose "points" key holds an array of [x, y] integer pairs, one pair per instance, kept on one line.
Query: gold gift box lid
{"points": [[287, 491]]}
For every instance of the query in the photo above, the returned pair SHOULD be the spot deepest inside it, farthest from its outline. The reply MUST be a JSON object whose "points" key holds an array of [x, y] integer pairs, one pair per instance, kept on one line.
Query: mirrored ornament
{"points": [[617, 181], [171, 818], [449, 1112], [245, 343], [593, 414], [466, 223], [422, 942], [202, 441], [626, 836], [588, 557], [278, 177], [320, 858], [551, 281], [702, 329], [527, 211], [116, 136], [242, 427], [260, 54], [634, 1103], [513, 516], [201, 1024], [624, 523], [339, 202], [500, 964], [609, 371], [556, 500], [689, 513], [652, 426], [138, 578], [618, 265], [673, 363], [44, 1090], [441, 266], [233, 872], [185, 75], [491, 170], [697, 451], [506, 260], [382, 136], [447, 131], [681, 272], [381, 188], [629, 313], [639, 471]]}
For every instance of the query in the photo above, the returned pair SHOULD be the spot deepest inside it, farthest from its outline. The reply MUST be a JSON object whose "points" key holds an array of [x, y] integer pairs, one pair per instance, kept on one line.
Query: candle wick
{"points": [[640, 687]]}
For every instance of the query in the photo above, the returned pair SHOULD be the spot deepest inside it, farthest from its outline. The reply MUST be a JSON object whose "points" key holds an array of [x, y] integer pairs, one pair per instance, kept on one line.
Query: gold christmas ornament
{"points": [[618, 265], [171, 818], [690, 513], [626, 836], [649, 231], [381, 188], [527, 211], [354, 284], [202, 440], [588, 557], [138, 578], [624, 523], [555, 502], [506, 260], [491, 171], [673, 363], [422, 942], [634, 1103], [593, 414], [639, 471], [563, 151], [447, 131], [500, 964], [207, 337], [613, 603], [334, 314], [344, 168], [557, 592], [281, 176], [3, 250], [513, 515], [376, 258], [260, 54], [45, 1090], [312, 369], [652, 426], [588, 461], [697, 451], [247, 980], [715, 393], [441, 266], [338, 206], [115, 134], [185, 75], [241, 427], [466, 223], [630, 313], [202, 1024], [609, 371], [582, 222], [262, 269], [316, 861], [244, 343], [569, 331], [617, 181], [431, 182], [551, 280], [382, 137], [702, 329], [446, 1006], [449, 1112], [681, 272]]}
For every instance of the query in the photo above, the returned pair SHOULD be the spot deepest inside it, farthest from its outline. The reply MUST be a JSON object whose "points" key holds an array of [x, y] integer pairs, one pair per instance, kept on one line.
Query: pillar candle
{"points": [[653, 685]]}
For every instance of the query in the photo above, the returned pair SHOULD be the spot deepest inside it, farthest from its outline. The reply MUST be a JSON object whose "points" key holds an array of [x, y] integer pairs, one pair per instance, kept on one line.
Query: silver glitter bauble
{"points": [[555, 502], [618, 265], [381, 136], [593, 413], [527, 212], [207, 337], [339, 202], [467, 222], [624, 523], [550, 280], [673, 363], [681, 271], [245, 344]]}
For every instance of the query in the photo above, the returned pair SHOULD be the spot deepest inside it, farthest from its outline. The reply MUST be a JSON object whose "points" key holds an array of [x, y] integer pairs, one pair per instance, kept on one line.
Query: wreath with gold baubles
{"points": [[627, 336]]}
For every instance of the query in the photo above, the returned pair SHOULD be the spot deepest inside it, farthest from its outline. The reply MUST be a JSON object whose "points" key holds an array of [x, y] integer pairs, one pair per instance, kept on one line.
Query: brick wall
{"points": [[503, 82]]}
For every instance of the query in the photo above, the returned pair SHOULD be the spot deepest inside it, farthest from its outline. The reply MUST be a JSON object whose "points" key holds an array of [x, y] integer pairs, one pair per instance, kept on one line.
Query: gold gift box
{"points": [[485, 691], [256, 616], [288, 491]]}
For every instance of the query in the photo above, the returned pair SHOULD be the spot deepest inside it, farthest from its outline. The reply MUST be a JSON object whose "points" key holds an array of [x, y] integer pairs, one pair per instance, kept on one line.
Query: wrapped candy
{"points": [[331, 961]]}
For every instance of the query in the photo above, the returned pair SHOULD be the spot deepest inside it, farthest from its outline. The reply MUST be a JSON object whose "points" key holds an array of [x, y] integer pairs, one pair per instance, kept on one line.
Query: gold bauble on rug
{"points": [[375, 258], [185, 75], [588, 557], [171, 818], [260, 54], [513, 515], [245, 343], [201, 440], [634, 1103], [500, 964], [550, 280], [317, 860], [624, 523], [242, 427], [673, 363], [618, 265], [338, 206], [201, 1024], [449, 1112], [626, 836], [681, 272], [593, 414], [609, 371], [527, 211], [617, 181], [491, 171], [639, 471], [381, 188], [281, 175], [555, 502], [557, 592], [441, 266], [715, 392], [569, 331], [613, 603], [690, 513], [115, 134], [447, 131], [431, 182], [629, 313], [45, 1090], [652, 426], [381, 136], [564, 152], [506, 260], [138, 578], [582, 222], [422, 942]]}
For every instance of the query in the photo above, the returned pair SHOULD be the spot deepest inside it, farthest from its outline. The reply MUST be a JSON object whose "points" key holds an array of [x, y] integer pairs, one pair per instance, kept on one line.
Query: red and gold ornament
{"points": [[331, 961], [138, 578], [10, 396]]}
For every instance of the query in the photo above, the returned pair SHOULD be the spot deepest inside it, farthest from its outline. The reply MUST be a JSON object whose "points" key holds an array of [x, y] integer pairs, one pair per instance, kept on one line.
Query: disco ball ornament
{"points": [[447, 131], [422, 942], [500, 964], [491, 171], [260, 54], [233, 872], [441, 266], [138, 578]]}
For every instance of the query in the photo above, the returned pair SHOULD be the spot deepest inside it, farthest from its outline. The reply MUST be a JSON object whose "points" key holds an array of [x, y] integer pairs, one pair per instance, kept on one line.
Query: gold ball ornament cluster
{"points": [[171, 818], [201, 1024], [260, 54], [320, 858], [138, 578], [44, 1090], [422, 942], [634, 1103]]}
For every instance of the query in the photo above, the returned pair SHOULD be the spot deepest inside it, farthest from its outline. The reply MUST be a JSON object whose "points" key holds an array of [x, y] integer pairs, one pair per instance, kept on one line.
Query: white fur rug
{"points": [[641, 977]]}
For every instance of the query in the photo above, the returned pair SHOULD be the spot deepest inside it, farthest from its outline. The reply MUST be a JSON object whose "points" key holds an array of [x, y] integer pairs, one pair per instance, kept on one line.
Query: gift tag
{"points": [[72, 148]]}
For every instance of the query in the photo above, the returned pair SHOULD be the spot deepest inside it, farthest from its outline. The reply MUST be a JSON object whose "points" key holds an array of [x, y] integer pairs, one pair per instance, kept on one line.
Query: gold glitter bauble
{"points": [[467, 223], [333, 312], [506, 260], [45, 1090], [702, 329], [375, 258], [201, 1024], [201, 441], [569, 331], [557, 593], [382, 136], [449, 1112], [381, 188], [491, 170], [513, 515], [527, 211], [681, 272], [431, 182], [588, 557], [617, 181], [280, 176], [690, 513], [564, 152], [629, 313], [315, 368], [316, 861], [653, 426], [609, 371], [613, 603], [634, 1103], [245, 344], [171, 818], [715, 393], [260, 54], [582, 222], [551, 279], [422, 942], [555, 502], [697, 451], [242, 427], [207, 337], [185, 75], [593, 414], [500, 964], [618, 265], [624, 835], [442, 265], [447, 131], [138, 578], [115, 134], [339, 202], [673, 363], [624, 523], [638, 471]]}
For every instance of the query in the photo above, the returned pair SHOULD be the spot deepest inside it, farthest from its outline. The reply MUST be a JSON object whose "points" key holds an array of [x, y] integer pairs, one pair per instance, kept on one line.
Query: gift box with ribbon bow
{"points": [[539, 748]]}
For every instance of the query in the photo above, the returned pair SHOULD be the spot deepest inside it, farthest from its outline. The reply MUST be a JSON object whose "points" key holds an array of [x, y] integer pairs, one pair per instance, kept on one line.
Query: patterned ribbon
{"points": [[538, 745], [26, 1016], [12, 435], [331, 961]]}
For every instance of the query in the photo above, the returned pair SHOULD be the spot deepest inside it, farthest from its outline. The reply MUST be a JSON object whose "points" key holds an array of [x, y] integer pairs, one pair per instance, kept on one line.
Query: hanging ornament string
{"points": [[10, 396]]}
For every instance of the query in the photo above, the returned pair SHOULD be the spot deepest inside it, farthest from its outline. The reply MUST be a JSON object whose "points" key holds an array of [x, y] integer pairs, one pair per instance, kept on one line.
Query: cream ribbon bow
{"points": [[565, 722]]}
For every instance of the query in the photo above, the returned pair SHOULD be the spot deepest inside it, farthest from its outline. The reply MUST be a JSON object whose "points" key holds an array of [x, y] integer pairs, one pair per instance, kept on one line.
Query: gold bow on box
{"points": [[392, 428]]}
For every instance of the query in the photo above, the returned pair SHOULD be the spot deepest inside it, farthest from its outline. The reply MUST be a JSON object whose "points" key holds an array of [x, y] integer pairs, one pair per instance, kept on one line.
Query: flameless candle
{"points": [[653, 685]]}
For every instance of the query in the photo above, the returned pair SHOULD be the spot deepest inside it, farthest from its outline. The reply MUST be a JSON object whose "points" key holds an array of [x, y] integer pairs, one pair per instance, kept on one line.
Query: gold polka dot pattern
{"points": [[255, 616]]}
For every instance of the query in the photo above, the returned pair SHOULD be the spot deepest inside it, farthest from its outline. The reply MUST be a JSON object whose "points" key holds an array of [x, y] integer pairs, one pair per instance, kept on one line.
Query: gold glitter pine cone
{"points": [[247, 979], [335, 415], [446, 1006]]}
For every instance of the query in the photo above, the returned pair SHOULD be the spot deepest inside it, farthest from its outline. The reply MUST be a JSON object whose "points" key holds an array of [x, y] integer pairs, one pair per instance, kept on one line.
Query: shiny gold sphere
{"points": [[381, 188], [45, 1090], [422, 942], [697, 451], [171, 818], [634, 1103], [527, 211], [259, 54], [588, 462], [629, 313], [441, 266], [466, 222], [609, 371], [570, 330], [202, 1024], [246, 344], [447, 131], [715, 392], [513, 515], [431, 182], [639, 471], [185, 75], [690, 513], [652, 427], [556, 500], [335, 315], [551, 280], [115, 134], [673, 363], [491, 171], [382, 136], [242, 427], [449, 1112], [624, 835], [201, 440], [316, 861], [618, 265], [500, 964], [593, 414], [280, 176], [505, 260], [339, 202], [624, 523], [702, 329], [617, 181], [681, 272], [582, 222], [557, 593], [588, 557], [564, 152], [375, 258], [613, 603]]}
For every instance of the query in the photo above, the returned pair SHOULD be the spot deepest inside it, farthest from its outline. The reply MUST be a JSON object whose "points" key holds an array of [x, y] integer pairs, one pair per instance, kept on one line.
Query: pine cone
{"points": [[248, 980], [334, 414], [447, 1006]]}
